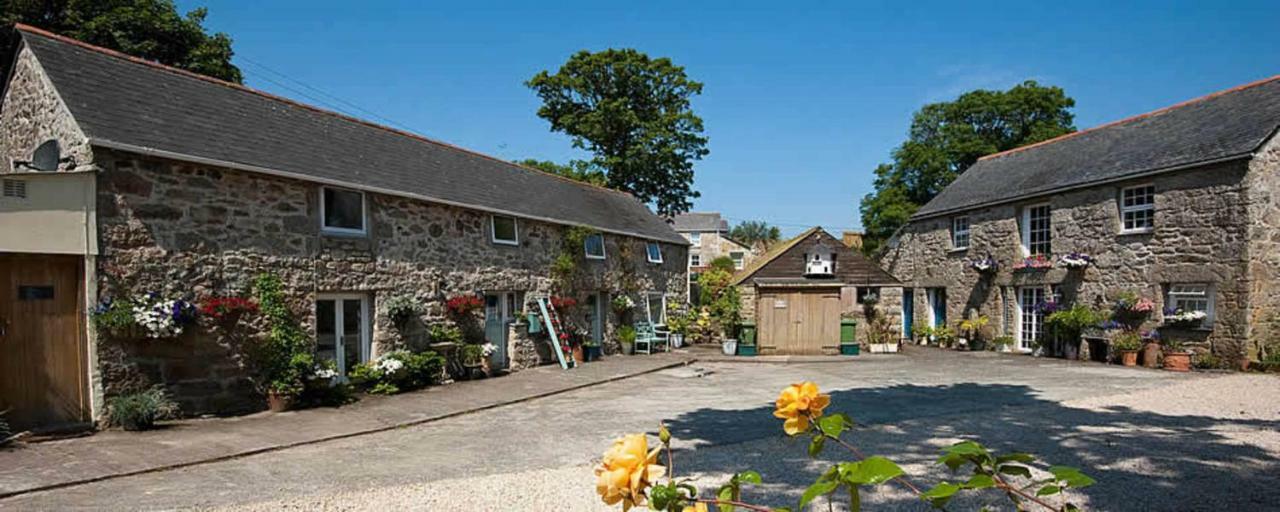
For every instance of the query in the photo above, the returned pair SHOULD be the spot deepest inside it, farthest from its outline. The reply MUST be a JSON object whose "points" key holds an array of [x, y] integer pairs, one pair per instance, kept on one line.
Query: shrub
{"points": [[472, 355], [1126, 341], [322, 387], [443, 333], [401, 309], [1208, 361], [140, 410], [114, 318], [399, 371], [627, 334], [1070, 322], [1002, 341], [282, 361]]}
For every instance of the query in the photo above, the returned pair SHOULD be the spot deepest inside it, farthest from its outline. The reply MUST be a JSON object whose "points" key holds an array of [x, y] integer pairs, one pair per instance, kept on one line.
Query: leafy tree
{"points": [[754, 232], [724, 263], [946, 138], [575, 170], [633, 114], [150, 29]]}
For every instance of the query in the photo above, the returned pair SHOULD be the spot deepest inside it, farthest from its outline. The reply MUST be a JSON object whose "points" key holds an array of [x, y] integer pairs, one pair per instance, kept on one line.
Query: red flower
{"points": [[463, 304], [220, 307]]}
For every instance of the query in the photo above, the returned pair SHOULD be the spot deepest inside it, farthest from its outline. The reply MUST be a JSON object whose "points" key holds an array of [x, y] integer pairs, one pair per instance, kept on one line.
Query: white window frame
{"points": [[1127, 209], [695, 238], [695, 260], [587, 252], [649, 249], [662, 307], [1026, 229], [1187, 292], [740, 261], [366, 337], [364, 214], [493, 230], [956, 233], [1025, 309]]}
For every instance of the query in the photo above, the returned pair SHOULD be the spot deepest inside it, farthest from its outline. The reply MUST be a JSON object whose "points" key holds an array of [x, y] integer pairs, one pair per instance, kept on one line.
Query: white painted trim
{"points": [[356, 186], [968, 233], [364, 214], [1025, 228], [648, 255], [366, 325], [603, 249], [493, 230], [1122, 209]]}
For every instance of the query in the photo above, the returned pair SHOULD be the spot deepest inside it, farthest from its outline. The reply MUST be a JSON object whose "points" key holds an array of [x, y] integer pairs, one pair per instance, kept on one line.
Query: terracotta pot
{"points": [[1177, 361], [1129, 357], [1243, 364], [579, 355], [279, 403], [1151, 355]]}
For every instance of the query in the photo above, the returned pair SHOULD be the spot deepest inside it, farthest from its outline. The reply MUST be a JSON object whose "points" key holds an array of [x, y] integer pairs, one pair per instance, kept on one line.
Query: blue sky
{"points": [[800, 102]]}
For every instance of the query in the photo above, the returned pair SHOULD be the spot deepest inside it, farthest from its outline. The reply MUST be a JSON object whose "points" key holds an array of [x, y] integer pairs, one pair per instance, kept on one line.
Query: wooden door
{"points": [[43, 379], [799, 322]]}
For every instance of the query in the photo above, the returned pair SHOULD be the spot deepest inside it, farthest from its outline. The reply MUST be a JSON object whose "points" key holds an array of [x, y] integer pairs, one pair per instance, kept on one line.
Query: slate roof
{"points": [[699, 221], [135, 105], [1224, 125], [851, 266]]}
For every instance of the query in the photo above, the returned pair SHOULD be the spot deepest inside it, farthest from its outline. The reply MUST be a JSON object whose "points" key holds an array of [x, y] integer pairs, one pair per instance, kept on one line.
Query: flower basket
{"points": [[1076, 261], [985, 265], [1033, 263]]}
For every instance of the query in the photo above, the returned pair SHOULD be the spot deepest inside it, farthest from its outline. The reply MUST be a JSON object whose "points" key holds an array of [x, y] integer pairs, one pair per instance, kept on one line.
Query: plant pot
{"points": [[1243, 364], [884, 348], [730, 347], [1177, 361], [977, 345], [593, 353], [851, 349], [746, 350], [579, 354], [1129, 357], [1151, 355], [474, 372], [677, 340], [627, 348], [277, 402]]}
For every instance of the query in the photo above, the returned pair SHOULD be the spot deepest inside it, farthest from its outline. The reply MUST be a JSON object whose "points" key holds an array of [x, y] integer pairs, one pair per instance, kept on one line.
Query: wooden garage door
{"points": [[42, 340], [799, 321]]}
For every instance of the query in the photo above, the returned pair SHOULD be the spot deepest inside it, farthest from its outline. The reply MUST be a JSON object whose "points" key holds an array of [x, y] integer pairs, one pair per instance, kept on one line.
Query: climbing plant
{"points": [[282, 360]]}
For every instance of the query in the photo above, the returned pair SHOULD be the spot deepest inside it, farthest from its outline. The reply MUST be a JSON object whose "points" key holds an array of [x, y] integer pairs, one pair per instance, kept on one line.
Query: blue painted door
{"points": [[908, 311]]}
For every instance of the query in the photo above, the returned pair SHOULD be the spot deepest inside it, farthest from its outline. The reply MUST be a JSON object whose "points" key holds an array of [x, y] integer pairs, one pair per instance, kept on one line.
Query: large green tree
{"points": [[946, 138], [752, 232], [150, 29], [578, 170], [633, 113]]}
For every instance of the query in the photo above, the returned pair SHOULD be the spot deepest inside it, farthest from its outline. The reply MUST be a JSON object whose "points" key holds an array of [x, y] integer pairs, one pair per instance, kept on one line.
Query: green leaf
{"points": [[1048, 490], [822, 487], [1016, 470], [835, 424], [980, 482], [750, 477], [1071, 476], [1024, 458], [953, 461], [815, 446], [869, 471], [967, 448], [662, 496], [940, 494]]}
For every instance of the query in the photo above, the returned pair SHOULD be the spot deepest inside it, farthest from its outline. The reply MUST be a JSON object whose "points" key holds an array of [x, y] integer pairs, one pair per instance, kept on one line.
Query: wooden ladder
{"points": [[551, 318]]}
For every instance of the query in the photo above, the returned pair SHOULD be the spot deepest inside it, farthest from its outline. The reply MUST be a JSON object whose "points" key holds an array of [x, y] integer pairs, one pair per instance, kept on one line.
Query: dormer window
{"points": [[820, 262]]}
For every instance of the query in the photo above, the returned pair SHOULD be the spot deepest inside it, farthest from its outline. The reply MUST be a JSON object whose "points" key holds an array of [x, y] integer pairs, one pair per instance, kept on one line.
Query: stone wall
{"points": [[1201, 234], [1264, 251], [195, 231], [32, 113], [715, 245]]}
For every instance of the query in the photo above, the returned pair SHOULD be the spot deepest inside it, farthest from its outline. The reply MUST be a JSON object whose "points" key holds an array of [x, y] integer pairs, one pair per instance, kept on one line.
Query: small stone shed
{"points": [[798, 292]]}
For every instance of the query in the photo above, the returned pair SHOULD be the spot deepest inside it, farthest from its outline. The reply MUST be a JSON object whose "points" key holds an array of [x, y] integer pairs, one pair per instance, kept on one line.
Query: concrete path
{"points": [[113, 454]]}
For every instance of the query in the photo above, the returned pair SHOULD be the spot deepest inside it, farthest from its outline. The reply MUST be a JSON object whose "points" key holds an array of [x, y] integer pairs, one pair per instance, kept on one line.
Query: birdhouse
{"points": [[821, 261]]}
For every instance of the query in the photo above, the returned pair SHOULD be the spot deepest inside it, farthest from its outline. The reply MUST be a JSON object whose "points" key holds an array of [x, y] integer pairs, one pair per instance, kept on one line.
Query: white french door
{"points": [[342, 329], [1030, 317]]}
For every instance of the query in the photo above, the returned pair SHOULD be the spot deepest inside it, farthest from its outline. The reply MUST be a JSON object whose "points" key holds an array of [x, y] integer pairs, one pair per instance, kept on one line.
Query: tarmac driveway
{"points": [[1154, 440]]}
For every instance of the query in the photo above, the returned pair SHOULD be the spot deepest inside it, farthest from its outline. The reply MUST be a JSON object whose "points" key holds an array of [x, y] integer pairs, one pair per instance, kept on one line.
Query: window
{"points": [[1190, 298], [656, 308], [342, 211], [695, 239], [695, 259], [1030, 316], [960, 233], [737, 257], [342, 330], [1035, 230], [594, 245], [653, 252], [1138, 209], [505, 230]]}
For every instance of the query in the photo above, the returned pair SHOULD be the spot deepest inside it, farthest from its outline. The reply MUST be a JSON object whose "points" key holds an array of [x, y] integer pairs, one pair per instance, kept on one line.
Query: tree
{"points": [[150, 29], [578, 170], [946, 138], [633, 114], [754, 232]]}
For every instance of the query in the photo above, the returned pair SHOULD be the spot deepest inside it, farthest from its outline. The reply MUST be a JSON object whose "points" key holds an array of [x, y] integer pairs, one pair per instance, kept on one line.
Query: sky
{"points": [[801, 101]]}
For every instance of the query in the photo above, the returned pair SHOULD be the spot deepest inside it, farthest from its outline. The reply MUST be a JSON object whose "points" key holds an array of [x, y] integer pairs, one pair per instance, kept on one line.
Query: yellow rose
{"points": [[798, 403], [628, 468], [696, 507]]}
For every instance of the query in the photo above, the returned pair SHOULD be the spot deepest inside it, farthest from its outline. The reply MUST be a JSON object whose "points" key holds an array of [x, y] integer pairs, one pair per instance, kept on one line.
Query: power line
{"points": [[321, 92], [793, 224]]}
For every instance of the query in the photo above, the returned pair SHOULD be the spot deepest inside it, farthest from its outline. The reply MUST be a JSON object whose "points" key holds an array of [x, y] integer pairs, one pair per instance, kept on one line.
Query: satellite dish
{"points": [[46, 156]]}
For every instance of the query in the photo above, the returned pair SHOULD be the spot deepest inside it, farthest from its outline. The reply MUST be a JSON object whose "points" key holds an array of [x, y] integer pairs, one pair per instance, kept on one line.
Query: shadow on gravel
{"points": [[1142, 460]]}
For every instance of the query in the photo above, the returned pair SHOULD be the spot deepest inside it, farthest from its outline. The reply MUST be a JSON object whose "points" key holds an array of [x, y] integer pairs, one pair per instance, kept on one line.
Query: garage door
{"points": [[799, 321], [42, 347]]}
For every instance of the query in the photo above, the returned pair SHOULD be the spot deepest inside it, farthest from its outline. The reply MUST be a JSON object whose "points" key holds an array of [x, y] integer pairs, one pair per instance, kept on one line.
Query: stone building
{"points": [[1179, 206], [708, 236], [798, 292], [123, 177]]}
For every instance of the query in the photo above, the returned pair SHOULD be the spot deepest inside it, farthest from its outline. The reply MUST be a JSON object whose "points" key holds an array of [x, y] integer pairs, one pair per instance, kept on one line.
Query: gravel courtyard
{"points": [[1154, 440]]}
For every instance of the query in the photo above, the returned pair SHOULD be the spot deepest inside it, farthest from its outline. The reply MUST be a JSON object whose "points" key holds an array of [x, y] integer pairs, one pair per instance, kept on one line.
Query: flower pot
{"points": [[1151, 355], [850, 349], [627, 348], [746, 350], [593, 353], [730, 347], [1177, 361], [1129, 357], [579, 354], [1243, 364], [677, 340], [277, 402], [884, 348]]}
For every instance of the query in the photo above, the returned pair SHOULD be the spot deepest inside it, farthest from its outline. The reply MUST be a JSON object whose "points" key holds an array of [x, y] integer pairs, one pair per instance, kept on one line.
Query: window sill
{"points": [[595, 258], [1128, 232], [343, 233], [509, 243], [958, 250]]}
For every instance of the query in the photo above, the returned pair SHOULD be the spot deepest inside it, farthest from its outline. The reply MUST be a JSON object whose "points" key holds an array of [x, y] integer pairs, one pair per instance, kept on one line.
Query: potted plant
{"points": [[577, 347], [985, 265], [1176, 359], [473, 360], [1067, 324], [1076, 261], [400, 309], [1037, 262], [1003, 343], [1179, 319], [591, 350], [678, 322], [627, 338], [881, 336], [1125, 344], [1151, 349], [973, 330], [729, 347], [140, 410]]}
